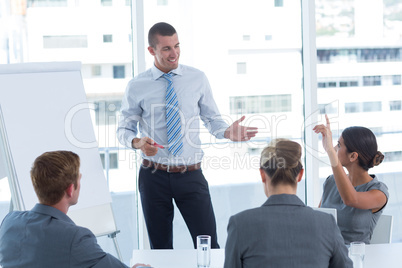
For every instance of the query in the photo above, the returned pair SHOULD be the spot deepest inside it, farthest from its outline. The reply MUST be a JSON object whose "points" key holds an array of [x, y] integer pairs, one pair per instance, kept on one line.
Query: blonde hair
{"points": [[52, 173], [281, 161]]}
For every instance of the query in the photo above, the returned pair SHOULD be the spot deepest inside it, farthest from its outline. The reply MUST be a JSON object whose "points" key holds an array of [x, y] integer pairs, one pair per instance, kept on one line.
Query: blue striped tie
{"points": [[173, 123]]}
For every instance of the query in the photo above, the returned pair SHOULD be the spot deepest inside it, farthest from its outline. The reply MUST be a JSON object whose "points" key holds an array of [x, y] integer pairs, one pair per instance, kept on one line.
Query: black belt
{"points": [[170, 169]]}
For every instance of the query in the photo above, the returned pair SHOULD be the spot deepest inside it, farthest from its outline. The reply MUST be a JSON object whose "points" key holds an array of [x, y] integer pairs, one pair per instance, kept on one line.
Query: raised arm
{"points": [[373, 199]]}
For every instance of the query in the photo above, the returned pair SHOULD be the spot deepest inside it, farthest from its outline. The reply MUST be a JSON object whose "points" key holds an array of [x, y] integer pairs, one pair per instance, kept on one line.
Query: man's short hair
{"points": [[52, 173], [160, 28]]}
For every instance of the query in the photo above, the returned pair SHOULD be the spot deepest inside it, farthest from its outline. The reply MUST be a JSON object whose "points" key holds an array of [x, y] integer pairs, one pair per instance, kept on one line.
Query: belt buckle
{"points": [[185, 168], [169, 167]]}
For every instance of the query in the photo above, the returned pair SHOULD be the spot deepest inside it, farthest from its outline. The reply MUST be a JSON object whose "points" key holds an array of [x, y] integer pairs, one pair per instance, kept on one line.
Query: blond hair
{"points": [[281, 161]]}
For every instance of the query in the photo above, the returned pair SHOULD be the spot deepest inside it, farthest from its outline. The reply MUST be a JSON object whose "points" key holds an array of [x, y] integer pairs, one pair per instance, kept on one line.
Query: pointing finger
{"points": [[327, 119]]}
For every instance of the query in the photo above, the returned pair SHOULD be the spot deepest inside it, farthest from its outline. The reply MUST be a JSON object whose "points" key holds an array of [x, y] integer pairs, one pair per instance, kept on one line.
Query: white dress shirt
{"points": [[144, 104]]}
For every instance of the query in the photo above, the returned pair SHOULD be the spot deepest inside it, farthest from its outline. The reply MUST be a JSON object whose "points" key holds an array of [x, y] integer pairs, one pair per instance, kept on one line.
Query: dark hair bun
{"points": [[378, 158]]}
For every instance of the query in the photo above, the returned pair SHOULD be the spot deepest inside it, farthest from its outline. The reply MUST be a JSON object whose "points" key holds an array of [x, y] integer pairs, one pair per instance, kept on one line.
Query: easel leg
{"points": [[11, 205], [116, 245]]}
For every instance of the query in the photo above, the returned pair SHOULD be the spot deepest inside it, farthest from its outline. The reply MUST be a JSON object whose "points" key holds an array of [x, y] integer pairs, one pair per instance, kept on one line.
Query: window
{"points": [[260, 104], [106, 3], [119, 71], [65, 41], [340, 81], [358, 55], [113, 160], [396, 79], [354, 83], [374, 106], [346, 36], [331, 84], [96, 70], [329, 108], [107, 38], [106, 112], [268, 37], [278, 3], [393, 156], [395, 105], [352, 107], [162, 2], [371, 80], [241, 68], [47, 3], [335, 33]]}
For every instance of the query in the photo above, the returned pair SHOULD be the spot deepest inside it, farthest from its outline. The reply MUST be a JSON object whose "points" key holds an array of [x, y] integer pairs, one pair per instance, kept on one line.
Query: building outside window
{"points": [[113, 160], [396, 79], [241, 68], [353, 107], [119, 71], [96, 70], [278, 3], [107, 38], [66, 41], [395, 105], [372, 80], [268, 37], [106, 2], [373, 106]]}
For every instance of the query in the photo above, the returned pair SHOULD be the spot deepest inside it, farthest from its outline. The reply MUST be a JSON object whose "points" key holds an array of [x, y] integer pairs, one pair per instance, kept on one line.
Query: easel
{"points": [[43, 79]]}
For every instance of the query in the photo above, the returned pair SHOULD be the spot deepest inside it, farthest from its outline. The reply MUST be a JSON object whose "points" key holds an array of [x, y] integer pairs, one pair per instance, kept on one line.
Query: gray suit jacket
{"points": [[284, 232], [45, 237]]}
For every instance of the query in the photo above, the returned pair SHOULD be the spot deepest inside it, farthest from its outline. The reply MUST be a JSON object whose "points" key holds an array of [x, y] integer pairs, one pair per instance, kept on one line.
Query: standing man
{"points": [[46, 236], [168, 101]]}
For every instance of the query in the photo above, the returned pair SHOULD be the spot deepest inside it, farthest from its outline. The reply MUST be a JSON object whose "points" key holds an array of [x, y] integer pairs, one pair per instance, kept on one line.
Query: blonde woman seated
{"points": [[284, 232]]}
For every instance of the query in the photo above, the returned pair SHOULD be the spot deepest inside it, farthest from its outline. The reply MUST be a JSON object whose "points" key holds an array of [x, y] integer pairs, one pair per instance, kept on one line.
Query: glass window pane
{"points": [[374, 106], [246, 37], [247, 77], [107, 38], [119, 71], [106, 2], [395, 105], [241, 68], [67, 41], [373, 100], [96, 70], [76, 31]]}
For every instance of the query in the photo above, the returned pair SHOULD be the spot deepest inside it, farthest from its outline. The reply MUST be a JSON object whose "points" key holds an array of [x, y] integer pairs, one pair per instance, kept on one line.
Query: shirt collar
{"points": [[51, 211], [284, 199], [156, 73]]}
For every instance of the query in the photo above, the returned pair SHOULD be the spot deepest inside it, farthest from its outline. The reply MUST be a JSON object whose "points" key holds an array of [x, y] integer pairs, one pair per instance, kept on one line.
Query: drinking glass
{"points": [[356, 253], [203, 251]]}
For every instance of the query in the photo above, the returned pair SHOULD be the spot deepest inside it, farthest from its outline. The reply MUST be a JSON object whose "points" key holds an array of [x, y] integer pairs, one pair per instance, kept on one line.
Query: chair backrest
{"points": [[331, 211], [382, 233]]}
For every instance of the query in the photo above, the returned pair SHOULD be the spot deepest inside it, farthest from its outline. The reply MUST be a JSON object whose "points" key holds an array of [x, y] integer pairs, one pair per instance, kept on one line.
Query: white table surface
{"points": [[178, 258], [377, 256]]}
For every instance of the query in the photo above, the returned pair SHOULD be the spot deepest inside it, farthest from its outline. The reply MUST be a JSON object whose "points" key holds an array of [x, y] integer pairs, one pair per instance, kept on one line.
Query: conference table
{"points": [[377, 256]]}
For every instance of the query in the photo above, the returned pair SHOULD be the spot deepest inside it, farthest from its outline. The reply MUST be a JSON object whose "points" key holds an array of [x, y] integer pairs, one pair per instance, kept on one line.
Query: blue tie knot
{"points": [[168, 76]]}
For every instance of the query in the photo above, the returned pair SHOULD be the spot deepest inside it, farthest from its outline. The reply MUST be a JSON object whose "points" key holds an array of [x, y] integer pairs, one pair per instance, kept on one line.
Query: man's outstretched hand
{"points": [[236, 132]]}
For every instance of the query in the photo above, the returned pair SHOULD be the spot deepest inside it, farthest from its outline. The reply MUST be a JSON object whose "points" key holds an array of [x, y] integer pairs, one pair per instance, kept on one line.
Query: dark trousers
{"points": [[191, 194]]}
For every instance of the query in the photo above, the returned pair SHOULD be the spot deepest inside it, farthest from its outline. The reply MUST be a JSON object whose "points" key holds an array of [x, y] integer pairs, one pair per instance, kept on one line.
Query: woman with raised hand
{"points": [[358, 196], [284, 232]]}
